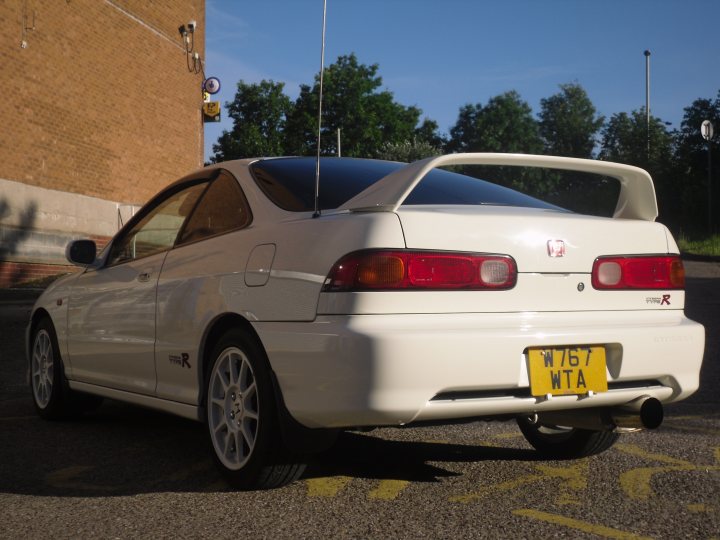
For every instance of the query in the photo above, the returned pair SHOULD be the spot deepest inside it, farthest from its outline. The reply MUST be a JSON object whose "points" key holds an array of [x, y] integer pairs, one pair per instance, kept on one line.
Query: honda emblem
{"points": [[556, 248]]}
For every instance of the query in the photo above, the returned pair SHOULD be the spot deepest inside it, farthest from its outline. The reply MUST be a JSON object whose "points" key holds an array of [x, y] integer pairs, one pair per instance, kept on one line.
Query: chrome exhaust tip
{"points": [[643, 413]]}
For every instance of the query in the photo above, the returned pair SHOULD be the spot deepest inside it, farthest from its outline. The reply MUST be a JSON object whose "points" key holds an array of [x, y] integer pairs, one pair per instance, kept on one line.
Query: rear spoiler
{"points": [[636, 200]]}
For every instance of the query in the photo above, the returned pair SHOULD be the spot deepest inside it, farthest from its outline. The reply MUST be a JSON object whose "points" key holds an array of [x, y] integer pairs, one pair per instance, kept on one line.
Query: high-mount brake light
{"points": [[638, 272], [384, 269]]}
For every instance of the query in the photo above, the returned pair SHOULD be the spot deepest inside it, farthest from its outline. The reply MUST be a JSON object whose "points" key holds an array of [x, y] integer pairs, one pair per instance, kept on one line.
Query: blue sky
{"points": [[441, 54]]}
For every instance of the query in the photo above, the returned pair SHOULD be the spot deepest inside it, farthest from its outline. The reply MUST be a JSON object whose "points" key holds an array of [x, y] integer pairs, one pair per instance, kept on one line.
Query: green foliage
{"points": [[569, 122], [625, 140], [372, 124], [709, 245], [692, 166], [259, 113], [268, 123], [407, 151], [353, 102], [505, 124]]}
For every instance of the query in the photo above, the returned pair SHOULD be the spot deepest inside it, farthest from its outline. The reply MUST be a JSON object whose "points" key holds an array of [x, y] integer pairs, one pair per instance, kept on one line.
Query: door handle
{"points": [[144, 276]]}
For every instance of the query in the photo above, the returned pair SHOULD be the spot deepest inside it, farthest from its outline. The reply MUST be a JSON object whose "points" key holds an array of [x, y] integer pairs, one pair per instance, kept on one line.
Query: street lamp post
{"points": [[647, 99], [707, 132]]}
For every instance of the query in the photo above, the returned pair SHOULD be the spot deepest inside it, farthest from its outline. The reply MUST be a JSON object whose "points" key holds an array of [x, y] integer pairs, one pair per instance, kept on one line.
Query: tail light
{"points": [[427, 270], [640, 272]]}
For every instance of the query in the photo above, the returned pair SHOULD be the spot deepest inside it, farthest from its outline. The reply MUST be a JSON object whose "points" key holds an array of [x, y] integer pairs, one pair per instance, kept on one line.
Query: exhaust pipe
{"points": [[643, 413]]}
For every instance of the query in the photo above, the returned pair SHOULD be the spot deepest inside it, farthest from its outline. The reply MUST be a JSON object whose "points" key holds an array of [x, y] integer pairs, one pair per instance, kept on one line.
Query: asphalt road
{"points": [[125, 472]]}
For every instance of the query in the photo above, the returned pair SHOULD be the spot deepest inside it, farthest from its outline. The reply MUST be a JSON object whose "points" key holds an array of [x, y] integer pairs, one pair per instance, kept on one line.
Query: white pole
{"points": [[322, 69]]}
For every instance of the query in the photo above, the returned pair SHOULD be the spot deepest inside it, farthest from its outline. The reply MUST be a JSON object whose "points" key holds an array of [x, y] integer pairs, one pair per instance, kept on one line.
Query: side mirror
{"points": [[81, 252]]}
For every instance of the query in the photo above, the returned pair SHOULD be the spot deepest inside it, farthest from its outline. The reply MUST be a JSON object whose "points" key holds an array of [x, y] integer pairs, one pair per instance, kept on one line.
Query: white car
{"points": [[413, 294]]}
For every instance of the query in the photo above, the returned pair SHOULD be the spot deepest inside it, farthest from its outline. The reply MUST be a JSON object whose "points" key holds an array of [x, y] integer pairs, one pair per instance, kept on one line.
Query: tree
{"points": [[692, 159], [569, 122], [259, 113], [505, 124], [407, 151], [625, 140], [352, 102], [429, 132]]}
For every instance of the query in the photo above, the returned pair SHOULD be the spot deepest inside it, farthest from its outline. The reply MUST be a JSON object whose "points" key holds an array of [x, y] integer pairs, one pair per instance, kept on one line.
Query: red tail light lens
{"points": [[428, 270], [642, 272]]}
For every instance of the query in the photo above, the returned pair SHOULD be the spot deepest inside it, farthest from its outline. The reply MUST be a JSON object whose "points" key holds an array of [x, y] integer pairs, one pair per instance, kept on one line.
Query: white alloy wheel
{"points": [[233, 408], [241, 416], [42, 368]]}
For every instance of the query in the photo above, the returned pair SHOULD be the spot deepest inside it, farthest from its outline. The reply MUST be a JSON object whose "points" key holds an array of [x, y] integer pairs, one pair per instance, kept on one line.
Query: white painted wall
{"points": [[37, 223]]}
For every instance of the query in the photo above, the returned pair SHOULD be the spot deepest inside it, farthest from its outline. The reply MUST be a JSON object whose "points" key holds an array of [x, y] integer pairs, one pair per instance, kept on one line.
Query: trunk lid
{"points": [[524, 234]]}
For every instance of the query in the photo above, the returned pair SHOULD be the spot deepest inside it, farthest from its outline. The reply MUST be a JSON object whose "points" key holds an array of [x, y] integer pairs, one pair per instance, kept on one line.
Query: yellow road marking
{"points": [[599, 530], [700, 509], [662, 458], [698, 429], [636, 483], [574, 478], [490, 444], [326, 487], [502, 486], [65, 479], [693, 416], [509, 435], [388, 489]]}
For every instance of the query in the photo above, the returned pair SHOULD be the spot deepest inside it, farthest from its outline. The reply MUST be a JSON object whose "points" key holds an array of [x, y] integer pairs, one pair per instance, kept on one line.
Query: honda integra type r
{"points": [[404, 294]]}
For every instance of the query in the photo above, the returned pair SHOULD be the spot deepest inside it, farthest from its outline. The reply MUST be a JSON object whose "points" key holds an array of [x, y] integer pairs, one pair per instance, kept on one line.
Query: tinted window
{"points": [[290, 184], [157, 230], [222, 208]]}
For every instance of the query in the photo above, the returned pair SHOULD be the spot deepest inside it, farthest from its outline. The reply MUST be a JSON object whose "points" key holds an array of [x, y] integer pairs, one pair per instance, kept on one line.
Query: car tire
{"points": [[559, 442], [241, 417], [51, 393]]}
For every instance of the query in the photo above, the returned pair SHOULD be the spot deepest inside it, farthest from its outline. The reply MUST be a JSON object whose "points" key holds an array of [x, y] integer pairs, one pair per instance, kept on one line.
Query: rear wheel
{"points": [[560, 442], [241, 417]]}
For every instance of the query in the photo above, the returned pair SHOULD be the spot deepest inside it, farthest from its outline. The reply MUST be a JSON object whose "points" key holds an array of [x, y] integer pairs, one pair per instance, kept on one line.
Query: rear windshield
{"points": [[290, 184]]}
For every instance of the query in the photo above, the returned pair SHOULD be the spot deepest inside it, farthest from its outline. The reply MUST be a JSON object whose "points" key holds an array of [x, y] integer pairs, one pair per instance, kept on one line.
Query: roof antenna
{"points": [[317, 161]]}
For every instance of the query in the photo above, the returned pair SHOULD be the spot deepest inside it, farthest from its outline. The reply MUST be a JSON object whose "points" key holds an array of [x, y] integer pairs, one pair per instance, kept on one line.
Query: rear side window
{"points": [[221, 209], [290, 184]]}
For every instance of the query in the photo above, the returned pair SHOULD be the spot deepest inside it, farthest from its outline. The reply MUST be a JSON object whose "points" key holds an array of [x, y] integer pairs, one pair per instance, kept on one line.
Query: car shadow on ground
{"points": [[122, 450], [364, 455]]}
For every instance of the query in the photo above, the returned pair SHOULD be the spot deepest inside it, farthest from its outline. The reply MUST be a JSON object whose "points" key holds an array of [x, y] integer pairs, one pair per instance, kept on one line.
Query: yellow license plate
{"points": [[567, 370]]}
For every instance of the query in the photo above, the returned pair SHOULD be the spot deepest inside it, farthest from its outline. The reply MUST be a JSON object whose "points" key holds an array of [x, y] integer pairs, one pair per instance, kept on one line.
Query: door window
{"points": [[158, 229]]}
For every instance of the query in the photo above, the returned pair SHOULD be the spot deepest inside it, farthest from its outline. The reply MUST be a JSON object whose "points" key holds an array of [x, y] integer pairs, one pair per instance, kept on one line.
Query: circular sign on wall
{"points": [[212, 85]]}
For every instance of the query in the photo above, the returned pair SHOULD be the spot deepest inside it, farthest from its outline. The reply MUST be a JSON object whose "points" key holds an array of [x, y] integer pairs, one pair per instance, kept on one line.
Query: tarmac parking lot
{"points": [[125, 472]]}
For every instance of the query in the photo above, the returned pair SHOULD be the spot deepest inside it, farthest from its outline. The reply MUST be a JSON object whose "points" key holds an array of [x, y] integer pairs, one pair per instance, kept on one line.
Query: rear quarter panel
{"points": [[202, 281]]}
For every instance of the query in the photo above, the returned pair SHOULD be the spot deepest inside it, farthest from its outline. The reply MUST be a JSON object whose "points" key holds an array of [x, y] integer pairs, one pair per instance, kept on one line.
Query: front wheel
{"points": [[52, 396], [560, 442], [241, 417]]}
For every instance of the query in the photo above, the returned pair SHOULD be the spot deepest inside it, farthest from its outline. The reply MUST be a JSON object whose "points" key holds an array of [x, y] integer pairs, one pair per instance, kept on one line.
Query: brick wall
{"points": [[100, 103]]}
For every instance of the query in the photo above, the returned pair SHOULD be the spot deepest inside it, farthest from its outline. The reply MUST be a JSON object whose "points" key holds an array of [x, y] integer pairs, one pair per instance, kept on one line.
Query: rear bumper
{"points": [[367, 370]]}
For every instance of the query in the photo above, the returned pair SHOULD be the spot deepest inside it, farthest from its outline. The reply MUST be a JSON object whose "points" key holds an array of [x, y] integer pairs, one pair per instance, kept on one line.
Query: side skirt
{"points": [[173, 407]]}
